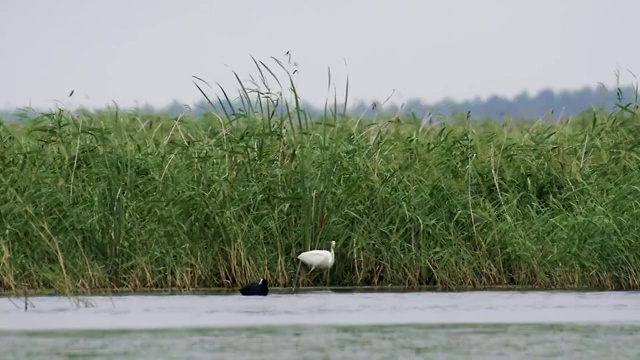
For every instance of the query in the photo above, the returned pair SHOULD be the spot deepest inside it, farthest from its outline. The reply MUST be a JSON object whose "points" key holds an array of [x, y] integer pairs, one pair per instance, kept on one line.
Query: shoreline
{"points": [[306, 289]]}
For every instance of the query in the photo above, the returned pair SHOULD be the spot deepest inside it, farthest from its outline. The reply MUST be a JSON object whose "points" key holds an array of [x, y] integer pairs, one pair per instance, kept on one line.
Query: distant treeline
{"points": [[524, 105]]}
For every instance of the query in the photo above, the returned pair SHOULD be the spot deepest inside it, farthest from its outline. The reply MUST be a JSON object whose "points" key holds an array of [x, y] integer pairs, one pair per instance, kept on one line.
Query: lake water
{"points": [[327, 325]]}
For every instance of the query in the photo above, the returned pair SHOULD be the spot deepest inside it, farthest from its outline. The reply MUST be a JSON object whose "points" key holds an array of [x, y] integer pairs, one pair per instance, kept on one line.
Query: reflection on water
{"points": [[327, 325]]}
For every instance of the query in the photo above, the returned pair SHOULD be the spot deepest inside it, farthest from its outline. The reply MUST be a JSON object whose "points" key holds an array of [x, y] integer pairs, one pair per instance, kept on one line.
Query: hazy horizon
{"points": [[147, 53]]}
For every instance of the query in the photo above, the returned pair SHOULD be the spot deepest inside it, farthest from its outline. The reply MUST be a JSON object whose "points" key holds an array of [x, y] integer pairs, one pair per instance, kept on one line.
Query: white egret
{"points": [[256, 289], [320, 259]]}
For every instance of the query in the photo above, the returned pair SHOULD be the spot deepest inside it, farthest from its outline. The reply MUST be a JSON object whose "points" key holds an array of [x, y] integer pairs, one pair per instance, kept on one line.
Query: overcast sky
{"points": [[147, 51]]}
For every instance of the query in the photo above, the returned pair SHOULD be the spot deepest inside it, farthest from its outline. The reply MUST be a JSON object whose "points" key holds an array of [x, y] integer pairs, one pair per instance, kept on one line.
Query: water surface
{"points": [[327, 325]]}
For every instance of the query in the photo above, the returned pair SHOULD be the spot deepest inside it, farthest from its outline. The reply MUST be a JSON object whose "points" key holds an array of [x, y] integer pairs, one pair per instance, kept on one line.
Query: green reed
{"points": [[113, 199]]}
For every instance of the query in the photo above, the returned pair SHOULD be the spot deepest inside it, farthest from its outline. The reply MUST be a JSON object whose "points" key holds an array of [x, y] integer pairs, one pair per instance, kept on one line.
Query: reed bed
{"points": [[114, 199]]}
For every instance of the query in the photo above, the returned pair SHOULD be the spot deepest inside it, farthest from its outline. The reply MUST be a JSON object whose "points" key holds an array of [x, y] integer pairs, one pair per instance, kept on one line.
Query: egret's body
{"points": [[318, 259], [255, 289]]}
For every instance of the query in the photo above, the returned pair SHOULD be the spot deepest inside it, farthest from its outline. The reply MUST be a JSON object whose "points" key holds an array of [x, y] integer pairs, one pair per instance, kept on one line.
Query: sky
{"points": [[144, 51]]}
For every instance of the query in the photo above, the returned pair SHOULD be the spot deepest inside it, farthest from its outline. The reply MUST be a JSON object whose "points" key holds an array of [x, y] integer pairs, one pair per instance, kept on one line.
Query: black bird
{"points": [[256, 289]]}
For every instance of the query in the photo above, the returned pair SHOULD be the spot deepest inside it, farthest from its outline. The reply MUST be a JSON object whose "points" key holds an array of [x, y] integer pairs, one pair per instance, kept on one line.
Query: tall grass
{"points": [[113, 200]]}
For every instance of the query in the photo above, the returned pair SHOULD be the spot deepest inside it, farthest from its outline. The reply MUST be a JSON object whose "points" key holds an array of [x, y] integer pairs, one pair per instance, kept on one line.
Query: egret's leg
{"points": [[309, 273], [328, 270]]}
